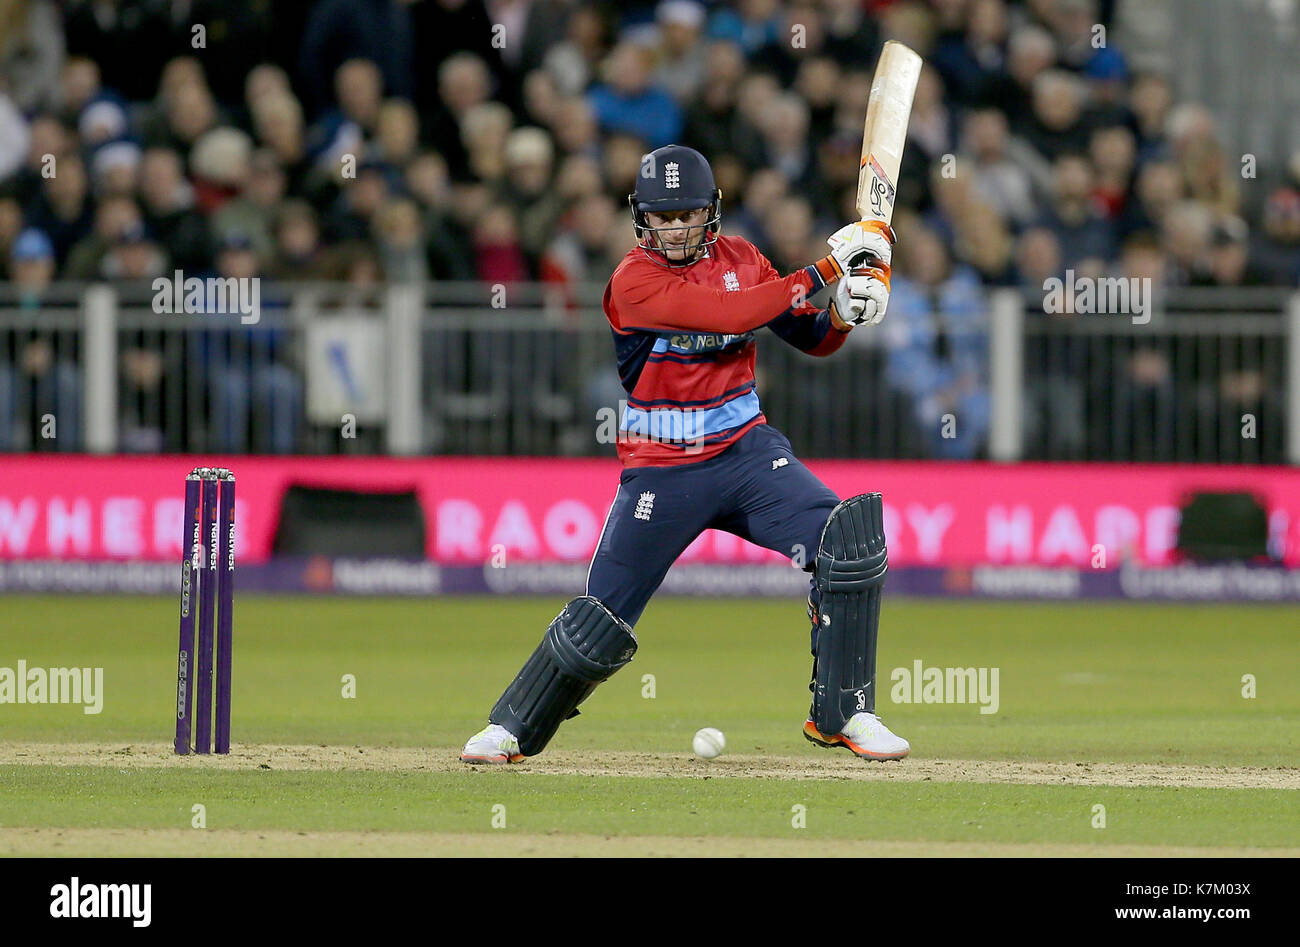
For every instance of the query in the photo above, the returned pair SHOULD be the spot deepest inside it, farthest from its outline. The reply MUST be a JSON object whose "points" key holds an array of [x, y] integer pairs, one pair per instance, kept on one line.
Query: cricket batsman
{"points": [[685, 306]]}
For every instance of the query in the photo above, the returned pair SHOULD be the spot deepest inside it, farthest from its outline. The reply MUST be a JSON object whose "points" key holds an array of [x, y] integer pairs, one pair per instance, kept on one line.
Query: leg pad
{"points": [[848, 576], [584, 645]]}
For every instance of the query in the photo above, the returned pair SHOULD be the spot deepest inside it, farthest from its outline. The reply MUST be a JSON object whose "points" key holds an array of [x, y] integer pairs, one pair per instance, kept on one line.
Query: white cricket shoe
{"points": [[493, 744], [865, 735]]}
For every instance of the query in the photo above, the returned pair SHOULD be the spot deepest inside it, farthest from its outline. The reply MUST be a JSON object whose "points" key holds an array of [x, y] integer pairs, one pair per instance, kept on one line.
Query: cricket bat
{"points": [[885, 131]]}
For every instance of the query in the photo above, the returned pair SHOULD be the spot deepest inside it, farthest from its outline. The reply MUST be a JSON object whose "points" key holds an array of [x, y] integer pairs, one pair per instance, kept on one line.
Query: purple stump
{"points": [[225, 608], [190, 566], [207, 612]]}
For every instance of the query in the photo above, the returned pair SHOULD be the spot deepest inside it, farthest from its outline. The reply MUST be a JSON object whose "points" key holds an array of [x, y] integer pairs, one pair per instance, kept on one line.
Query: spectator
{"points": [[264, 81], [133, 257], [277, 124], [32, 49], [1087, 239], [79, 83], [786, 147], [220, 164], [1206, 172], [397, 133], [1113, 151], [753, 24], [256, 398], [575, 128], [254, 210], [622, 162], [449, 217], [484, 131], [129, 41], [754, 98], [1056, 125], [1142, 410], [114, 166], [343, 131], [527, 189], [183, 108], [297, 254], [44, 375], [11, 225], [114, 216], [1106, 75], [983, 241], [972, 62], [932, 128], [801, 36], [681, 51], [400, 236], [445, 30], [1030, 51], [575, 60], [191, 114], [357, 204], [1159, 187], [62, 209], [541, 98], [167, 200], [1277, 251], [498, 257], [578, 177], [627, 101], [818, 84], [426, 180], [1229, 256], [584, 250], [46, 136], [1185, 236], [790, 224], [937, 342], [238, 37], [763, 191], [999, 180], [463, 83], [1055, 394], [1149, 101], [378, 31], [852, 36], [14, 137], [1075, 24], [1038, 257]]}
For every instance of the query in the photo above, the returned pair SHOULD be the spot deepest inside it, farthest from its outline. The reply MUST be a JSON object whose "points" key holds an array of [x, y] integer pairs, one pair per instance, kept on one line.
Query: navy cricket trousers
{"points": [[756, 489]]}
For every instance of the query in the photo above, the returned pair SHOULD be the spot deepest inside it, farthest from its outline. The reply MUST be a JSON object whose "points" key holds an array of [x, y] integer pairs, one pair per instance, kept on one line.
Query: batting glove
{"points": [[860, 298], [867, 242]]}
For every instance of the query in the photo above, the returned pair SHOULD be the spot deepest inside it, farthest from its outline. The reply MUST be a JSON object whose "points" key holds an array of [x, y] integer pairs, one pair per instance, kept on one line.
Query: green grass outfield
{"points": [[1137, 708]]}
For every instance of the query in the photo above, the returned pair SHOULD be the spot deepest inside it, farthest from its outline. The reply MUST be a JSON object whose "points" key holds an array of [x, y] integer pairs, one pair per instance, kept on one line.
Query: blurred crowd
{"points": [[496, 140]]}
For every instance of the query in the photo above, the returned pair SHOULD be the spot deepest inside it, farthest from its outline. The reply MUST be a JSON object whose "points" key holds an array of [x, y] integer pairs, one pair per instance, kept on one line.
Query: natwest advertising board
{"points": [[541, 509]]}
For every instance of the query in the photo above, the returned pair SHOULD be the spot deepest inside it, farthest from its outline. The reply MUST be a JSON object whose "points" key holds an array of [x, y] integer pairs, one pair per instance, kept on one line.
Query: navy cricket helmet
{"points": [[671, 179]]}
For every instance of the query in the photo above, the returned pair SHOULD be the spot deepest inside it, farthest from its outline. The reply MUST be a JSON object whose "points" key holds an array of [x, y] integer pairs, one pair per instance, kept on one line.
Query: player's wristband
{"points": [[838, 324], [823, 272]]}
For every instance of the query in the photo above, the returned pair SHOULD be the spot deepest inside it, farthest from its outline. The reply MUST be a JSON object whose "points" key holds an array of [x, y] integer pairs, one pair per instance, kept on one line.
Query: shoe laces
{"points": [[502, 738], [862, 725]]}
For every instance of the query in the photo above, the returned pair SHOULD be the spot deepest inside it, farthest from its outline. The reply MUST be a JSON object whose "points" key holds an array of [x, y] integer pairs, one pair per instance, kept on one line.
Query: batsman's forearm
{"points": [[656, 305], [811, 331]]}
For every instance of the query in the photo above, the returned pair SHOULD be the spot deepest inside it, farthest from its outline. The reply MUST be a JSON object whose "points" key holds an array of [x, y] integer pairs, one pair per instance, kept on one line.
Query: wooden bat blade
{"points": [[885, 131]]}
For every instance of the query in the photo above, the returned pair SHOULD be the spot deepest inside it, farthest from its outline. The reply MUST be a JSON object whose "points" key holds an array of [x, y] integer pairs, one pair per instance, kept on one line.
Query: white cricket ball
{"points": [[709, 743]]}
